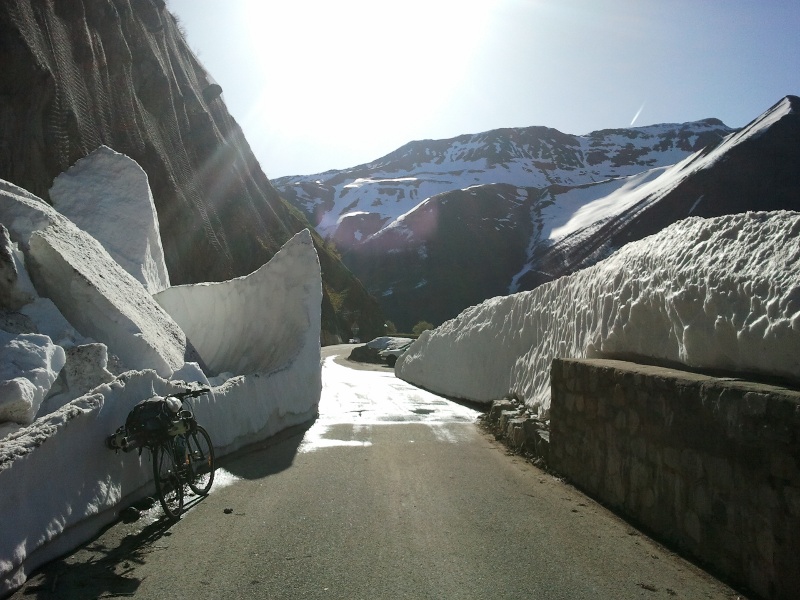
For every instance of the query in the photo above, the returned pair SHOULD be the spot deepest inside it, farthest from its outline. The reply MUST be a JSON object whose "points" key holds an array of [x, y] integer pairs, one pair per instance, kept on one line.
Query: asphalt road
{"points": [[391, 493]]}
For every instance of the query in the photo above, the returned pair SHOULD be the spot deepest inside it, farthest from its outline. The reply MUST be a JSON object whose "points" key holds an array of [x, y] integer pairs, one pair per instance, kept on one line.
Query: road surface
{"points": [[391, 493]]}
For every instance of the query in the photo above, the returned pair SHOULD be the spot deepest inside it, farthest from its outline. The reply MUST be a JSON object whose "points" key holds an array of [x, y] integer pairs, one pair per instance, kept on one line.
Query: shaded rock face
{"points": [[78, 74], [90, 72], [455, 250]]}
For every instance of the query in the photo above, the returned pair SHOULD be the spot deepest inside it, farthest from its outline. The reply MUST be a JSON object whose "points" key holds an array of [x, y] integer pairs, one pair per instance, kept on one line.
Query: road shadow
{"points": [[103, 567], [268, 457], [98, 569]]}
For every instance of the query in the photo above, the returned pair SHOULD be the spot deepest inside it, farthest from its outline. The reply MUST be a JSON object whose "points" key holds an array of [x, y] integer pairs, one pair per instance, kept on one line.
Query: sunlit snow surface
{"points": [[715, 293], [257, 323], [90, 289], [368, 398], [125, 221]]}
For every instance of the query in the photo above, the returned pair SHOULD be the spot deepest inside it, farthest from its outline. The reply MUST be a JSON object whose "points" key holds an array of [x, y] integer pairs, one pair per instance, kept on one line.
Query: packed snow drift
{"points": [[82, 340], [82, 195], [720, 293], [227, 321]]}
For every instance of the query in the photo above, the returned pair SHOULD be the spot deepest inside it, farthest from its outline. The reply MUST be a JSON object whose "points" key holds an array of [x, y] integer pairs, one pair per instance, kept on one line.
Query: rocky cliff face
{"points": [[81, 73]]}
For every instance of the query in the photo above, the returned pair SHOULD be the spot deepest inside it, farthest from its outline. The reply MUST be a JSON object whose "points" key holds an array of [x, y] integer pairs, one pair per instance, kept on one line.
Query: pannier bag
{"points": [[150, 419]]}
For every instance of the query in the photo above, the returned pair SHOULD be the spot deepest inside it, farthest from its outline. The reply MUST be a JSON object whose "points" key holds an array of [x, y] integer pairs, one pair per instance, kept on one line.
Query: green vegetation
{"points": [[420, 327]]}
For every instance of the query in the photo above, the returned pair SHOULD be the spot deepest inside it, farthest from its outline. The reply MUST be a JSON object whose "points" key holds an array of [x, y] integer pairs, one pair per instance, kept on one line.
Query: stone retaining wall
{"points": [[711, 465]]}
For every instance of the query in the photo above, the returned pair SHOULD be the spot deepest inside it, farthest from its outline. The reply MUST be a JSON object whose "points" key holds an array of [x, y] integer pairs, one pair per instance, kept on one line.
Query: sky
{"points": [[319, 85]]}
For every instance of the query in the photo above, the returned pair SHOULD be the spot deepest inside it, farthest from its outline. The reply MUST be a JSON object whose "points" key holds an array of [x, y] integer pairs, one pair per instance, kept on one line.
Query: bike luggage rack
{"points": [[151, 431]]}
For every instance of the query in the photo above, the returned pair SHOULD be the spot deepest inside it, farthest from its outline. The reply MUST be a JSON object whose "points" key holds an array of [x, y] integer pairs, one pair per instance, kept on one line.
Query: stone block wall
{"points": [[711, 465]]}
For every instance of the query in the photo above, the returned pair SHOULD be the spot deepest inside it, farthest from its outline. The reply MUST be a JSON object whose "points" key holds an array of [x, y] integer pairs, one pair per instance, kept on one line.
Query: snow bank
{"points": [[62, 485], [99, 298], [85, 369], [107, 194], [719, 293], [256, 323], [59, 482], [29, 364]]}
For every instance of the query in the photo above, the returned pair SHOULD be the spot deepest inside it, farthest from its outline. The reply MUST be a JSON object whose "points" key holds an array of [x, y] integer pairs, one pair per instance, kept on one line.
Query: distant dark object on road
{"points": [[365, 354]]}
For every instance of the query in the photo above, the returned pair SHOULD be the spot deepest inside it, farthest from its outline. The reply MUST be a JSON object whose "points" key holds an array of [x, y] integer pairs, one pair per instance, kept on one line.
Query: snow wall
{"points": [[228, 322], [60, 484], [720, 293]]}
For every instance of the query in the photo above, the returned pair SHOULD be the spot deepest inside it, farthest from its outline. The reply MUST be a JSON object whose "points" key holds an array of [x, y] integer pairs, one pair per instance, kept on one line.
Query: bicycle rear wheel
{"points": [[201, 460], [169, 484]]}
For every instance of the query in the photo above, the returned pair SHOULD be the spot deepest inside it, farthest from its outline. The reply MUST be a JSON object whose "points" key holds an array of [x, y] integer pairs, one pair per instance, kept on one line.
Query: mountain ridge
{"points": [[422, 265], [530, 157]]}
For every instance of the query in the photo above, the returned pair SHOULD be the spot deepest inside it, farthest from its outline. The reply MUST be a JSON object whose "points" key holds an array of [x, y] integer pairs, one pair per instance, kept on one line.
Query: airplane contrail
{"points": [[638, 112]]}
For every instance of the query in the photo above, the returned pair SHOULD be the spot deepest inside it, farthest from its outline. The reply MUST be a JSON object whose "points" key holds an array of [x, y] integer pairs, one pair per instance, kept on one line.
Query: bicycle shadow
{"points": [[99, 568], [103, 566]]}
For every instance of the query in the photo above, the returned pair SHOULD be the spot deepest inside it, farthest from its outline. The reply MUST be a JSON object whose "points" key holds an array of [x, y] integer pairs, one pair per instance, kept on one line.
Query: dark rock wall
{"points": [[466, 246], [80, 73], [118, 72]]}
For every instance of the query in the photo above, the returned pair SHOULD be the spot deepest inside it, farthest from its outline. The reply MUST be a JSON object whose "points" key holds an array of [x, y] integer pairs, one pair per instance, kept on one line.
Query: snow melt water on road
{"points": [[361, 399]]}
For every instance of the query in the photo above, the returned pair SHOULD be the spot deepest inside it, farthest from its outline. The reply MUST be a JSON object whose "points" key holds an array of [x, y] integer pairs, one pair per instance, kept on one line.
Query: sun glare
{"points": [[359, 65]]}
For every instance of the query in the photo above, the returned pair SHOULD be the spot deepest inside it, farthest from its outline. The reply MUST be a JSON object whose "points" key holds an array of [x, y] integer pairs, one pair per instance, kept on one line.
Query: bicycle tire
{"points": [[169, 483], [201, 460]]}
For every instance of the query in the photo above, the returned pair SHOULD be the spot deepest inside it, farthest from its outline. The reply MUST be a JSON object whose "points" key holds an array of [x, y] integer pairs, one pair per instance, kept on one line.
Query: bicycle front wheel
{"points": [[169, 485], [201, 460]]}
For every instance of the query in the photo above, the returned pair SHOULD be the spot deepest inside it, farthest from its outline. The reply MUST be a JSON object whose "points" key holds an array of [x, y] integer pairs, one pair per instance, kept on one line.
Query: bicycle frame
{"points": [[182, 455]]}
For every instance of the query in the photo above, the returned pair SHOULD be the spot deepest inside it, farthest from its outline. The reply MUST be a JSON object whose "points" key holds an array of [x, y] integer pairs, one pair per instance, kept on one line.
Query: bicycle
{"points": [[182, 452]]}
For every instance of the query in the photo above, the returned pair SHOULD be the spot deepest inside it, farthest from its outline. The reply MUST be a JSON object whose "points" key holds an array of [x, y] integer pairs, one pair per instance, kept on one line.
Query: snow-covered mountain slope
{"points": [[460, 247], [720, 293], [348, 206], [753, 169]]}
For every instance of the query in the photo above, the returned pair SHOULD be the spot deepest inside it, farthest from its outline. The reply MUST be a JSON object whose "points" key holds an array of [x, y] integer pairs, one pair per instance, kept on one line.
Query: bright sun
{"points": [[357, 65]]}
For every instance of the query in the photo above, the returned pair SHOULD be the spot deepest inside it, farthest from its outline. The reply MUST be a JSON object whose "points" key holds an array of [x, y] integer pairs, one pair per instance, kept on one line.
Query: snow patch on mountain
{"points": [[649, 187], [580, 207]]}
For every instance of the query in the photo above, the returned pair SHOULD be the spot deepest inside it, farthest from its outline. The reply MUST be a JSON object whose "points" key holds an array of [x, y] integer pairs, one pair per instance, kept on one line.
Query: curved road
{"points": [[391, 493]]}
